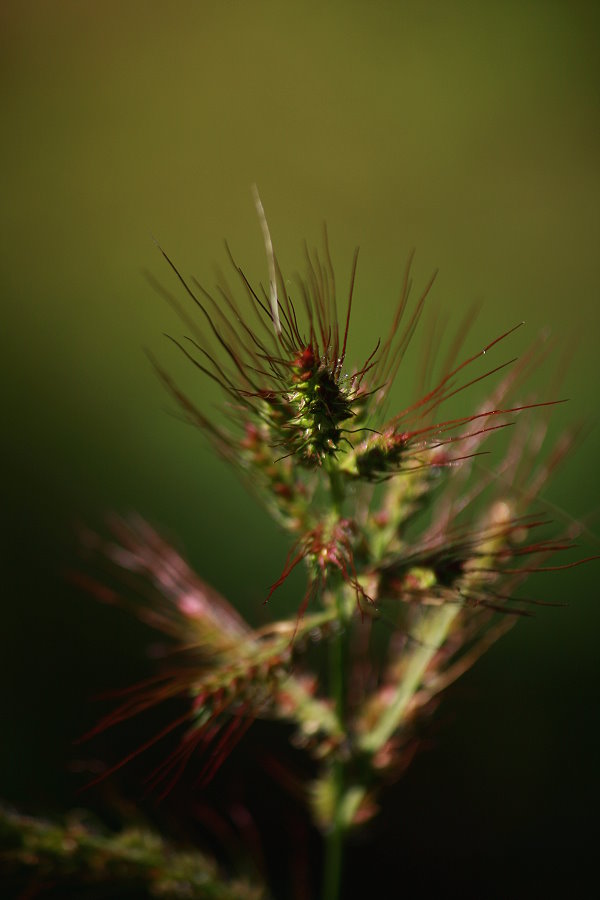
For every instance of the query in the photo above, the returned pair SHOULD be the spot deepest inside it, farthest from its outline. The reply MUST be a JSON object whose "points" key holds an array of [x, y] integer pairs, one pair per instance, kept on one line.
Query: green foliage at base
{"points": [[133, 860]]}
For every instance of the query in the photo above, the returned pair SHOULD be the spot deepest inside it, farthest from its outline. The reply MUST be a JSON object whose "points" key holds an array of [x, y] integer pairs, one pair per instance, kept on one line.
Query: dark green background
{"points": [[469, 131]]}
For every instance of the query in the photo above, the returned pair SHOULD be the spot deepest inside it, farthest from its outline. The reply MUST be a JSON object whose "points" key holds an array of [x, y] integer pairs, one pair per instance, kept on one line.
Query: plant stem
{"points": [[334, 846], [337, 486], [335, 837], [334, 842], [432, 634], [433, 630]]}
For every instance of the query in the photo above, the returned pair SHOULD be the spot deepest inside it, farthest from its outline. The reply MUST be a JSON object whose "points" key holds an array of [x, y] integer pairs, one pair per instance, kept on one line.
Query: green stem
{"points": [[337, 485], [432, 634], [334, 843], [333, 862]]}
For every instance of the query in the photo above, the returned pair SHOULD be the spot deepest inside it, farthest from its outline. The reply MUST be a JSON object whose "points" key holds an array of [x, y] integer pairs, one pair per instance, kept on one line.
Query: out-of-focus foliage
{"points": [[135, 860]]}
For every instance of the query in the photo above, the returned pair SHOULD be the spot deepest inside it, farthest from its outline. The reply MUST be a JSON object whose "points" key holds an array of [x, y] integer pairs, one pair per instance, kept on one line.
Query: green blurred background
{"points": [[469, 131]]}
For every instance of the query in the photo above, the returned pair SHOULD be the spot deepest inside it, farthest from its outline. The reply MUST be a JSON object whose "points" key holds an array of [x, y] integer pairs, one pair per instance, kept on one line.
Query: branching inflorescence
{"points": [[399, 525]]}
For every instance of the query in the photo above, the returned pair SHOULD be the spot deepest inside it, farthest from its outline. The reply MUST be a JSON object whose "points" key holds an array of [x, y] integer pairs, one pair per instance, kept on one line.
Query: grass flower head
{"points": [[402, 530]]}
